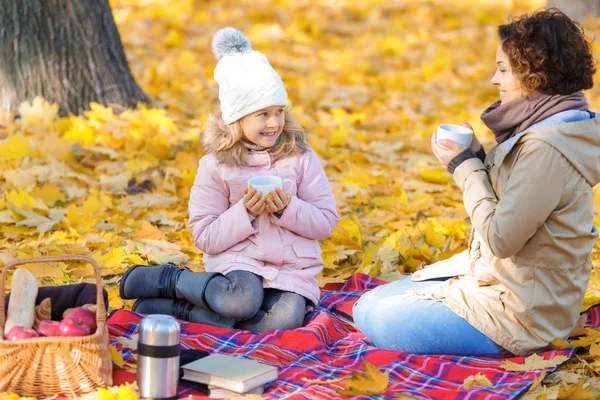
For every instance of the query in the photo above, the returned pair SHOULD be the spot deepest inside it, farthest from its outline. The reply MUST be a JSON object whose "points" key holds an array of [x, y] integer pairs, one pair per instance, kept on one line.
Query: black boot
{"points": [[167, 282], [183, 310]]}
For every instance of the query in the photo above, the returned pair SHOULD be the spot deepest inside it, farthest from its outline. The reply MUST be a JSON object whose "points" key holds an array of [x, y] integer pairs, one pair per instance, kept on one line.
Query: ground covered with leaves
{"points": [[369, 80]]}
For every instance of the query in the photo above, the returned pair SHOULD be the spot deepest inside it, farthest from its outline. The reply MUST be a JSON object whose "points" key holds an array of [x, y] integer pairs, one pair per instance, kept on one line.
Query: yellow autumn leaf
{"points": [[116, 356], [371, 382], [533, 362], [125, 392], [14, 148], [19, 199], [595, 350], [81, 220], [537, 381], [39, 111], [582, 342], [114, 299], [106, 394], [477, 380], [100, 113], [113, 261], [578, 391], [436, 176], [50, 194], [390, 201], [41, 223]]}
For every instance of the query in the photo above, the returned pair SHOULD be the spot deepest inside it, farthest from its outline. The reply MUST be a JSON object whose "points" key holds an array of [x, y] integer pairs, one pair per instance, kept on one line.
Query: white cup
{"points": [[268, 183], [457, 133]]}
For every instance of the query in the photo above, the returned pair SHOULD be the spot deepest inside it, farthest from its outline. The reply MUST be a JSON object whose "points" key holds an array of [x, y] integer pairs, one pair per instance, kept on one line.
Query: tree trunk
{"points": [[68, 51], [577, 9]]}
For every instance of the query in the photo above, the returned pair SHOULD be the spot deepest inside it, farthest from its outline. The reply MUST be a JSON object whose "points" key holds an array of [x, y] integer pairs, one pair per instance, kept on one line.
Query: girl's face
{"points": [[507, 82], [264, 127]]}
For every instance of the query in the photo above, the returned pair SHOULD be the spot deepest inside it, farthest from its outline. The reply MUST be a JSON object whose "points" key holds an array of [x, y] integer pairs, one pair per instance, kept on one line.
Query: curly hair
{"points": [[548, 52]]}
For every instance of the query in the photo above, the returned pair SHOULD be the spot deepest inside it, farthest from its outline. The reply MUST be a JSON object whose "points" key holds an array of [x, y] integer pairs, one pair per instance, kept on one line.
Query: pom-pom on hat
{"points": [[247, 82]]}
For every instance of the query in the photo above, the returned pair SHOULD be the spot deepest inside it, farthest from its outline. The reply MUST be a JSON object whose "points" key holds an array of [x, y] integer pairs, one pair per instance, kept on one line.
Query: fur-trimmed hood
{"points": [[217, 136]]}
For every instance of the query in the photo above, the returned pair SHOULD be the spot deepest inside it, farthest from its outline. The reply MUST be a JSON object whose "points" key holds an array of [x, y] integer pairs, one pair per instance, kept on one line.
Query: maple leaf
{"points": [[14, 148], [533, 362], [41, 223], [106, 394], [39, 111], [477, 380], [435, 176], [537, 381], [19, 199], [583, 342], [50, 194], [368, 383]]}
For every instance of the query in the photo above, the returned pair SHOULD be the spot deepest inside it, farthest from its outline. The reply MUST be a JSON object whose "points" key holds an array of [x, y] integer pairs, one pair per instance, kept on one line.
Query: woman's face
{"points": [[507, 82]]}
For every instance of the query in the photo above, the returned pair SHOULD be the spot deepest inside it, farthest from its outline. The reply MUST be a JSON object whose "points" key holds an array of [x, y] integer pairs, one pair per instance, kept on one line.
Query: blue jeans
{"points": [[394, 320], [240, 295]]}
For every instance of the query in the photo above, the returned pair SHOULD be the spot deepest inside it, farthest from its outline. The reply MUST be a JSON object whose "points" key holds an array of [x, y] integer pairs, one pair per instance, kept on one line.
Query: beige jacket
{"points": [[523, 278]]}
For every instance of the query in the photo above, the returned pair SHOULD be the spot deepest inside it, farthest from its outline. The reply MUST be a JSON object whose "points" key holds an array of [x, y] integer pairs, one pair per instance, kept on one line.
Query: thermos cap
{"points": [[159, 330]]}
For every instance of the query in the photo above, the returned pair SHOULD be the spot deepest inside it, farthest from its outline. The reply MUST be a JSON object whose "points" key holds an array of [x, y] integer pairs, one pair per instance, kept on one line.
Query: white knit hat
{"points": [[247, 82]]}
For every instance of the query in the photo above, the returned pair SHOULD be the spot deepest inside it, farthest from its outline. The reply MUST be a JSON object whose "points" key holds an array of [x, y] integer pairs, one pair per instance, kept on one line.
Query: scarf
{"points": [[254, 147], [506, 120]]}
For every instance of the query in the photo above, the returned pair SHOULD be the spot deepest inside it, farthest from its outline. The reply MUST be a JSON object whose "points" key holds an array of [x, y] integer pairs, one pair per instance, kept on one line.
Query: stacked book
{"points": [[228, 376]]}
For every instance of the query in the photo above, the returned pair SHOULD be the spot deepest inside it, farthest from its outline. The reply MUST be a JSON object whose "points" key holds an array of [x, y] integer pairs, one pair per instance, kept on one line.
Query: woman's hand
{"points": [[475, 145], [254, 202], [278, 200], [446, 150]]}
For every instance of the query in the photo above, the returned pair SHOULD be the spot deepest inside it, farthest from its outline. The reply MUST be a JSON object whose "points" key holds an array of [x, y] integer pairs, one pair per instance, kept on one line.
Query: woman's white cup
{"points": [[268, 183], [457, 133]]}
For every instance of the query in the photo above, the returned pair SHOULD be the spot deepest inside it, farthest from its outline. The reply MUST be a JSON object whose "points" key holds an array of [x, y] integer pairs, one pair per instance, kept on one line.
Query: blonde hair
{"points": [[220, 137]]}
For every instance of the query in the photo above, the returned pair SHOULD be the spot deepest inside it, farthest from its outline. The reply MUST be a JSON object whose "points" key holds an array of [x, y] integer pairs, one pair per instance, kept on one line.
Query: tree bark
{"points": [[577, 9], [68, 51]]}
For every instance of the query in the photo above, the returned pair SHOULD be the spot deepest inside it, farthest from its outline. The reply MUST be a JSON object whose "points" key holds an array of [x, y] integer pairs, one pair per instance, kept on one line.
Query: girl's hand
{"points": [[255, 203], [446, 150], [277, 201], [475, 145]]}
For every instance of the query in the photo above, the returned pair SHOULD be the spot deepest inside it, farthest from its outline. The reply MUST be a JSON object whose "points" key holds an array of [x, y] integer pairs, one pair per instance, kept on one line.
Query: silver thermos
{"points": [[158, 357]]}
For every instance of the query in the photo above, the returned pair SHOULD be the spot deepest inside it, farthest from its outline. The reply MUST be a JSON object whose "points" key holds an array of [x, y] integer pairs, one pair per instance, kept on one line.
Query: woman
{"points": [[521, 282]]}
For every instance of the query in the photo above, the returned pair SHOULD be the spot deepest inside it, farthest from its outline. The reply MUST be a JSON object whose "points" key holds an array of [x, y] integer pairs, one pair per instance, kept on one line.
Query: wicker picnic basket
{"points": [[48, 366]]}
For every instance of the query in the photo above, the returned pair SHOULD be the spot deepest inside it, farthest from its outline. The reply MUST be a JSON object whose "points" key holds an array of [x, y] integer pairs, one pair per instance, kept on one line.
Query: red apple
{"points": [[73, 326], [87, 316], [48, 328], [20, 333]]}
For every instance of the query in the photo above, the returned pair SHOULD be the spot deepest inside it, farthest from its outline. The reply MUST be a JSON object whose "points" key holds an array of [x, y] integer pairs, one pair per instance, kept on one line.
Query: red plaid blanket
{"points": [[329, 346]]}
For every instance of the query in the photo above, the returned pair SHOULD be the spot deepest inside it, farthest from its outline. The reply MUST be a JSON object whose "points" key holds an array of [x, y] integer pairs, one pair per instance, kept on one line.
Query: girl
{"points": [[261, 253], [522, 280]]}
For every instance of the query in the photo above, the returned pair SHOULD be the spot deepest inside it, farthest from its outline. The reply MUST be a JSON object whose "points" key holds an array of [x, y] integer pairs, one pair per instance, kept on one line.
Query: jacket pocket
{"points": [[495, 292], [307, 250], [491, 288]]}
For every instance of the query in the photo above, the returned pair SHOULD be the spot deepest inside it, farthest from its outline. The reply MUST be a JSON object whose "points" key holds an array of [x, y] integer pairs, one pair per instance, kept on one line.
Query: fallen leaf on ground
{"points": [[533, 362], [368, 383], [477, 380]]}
